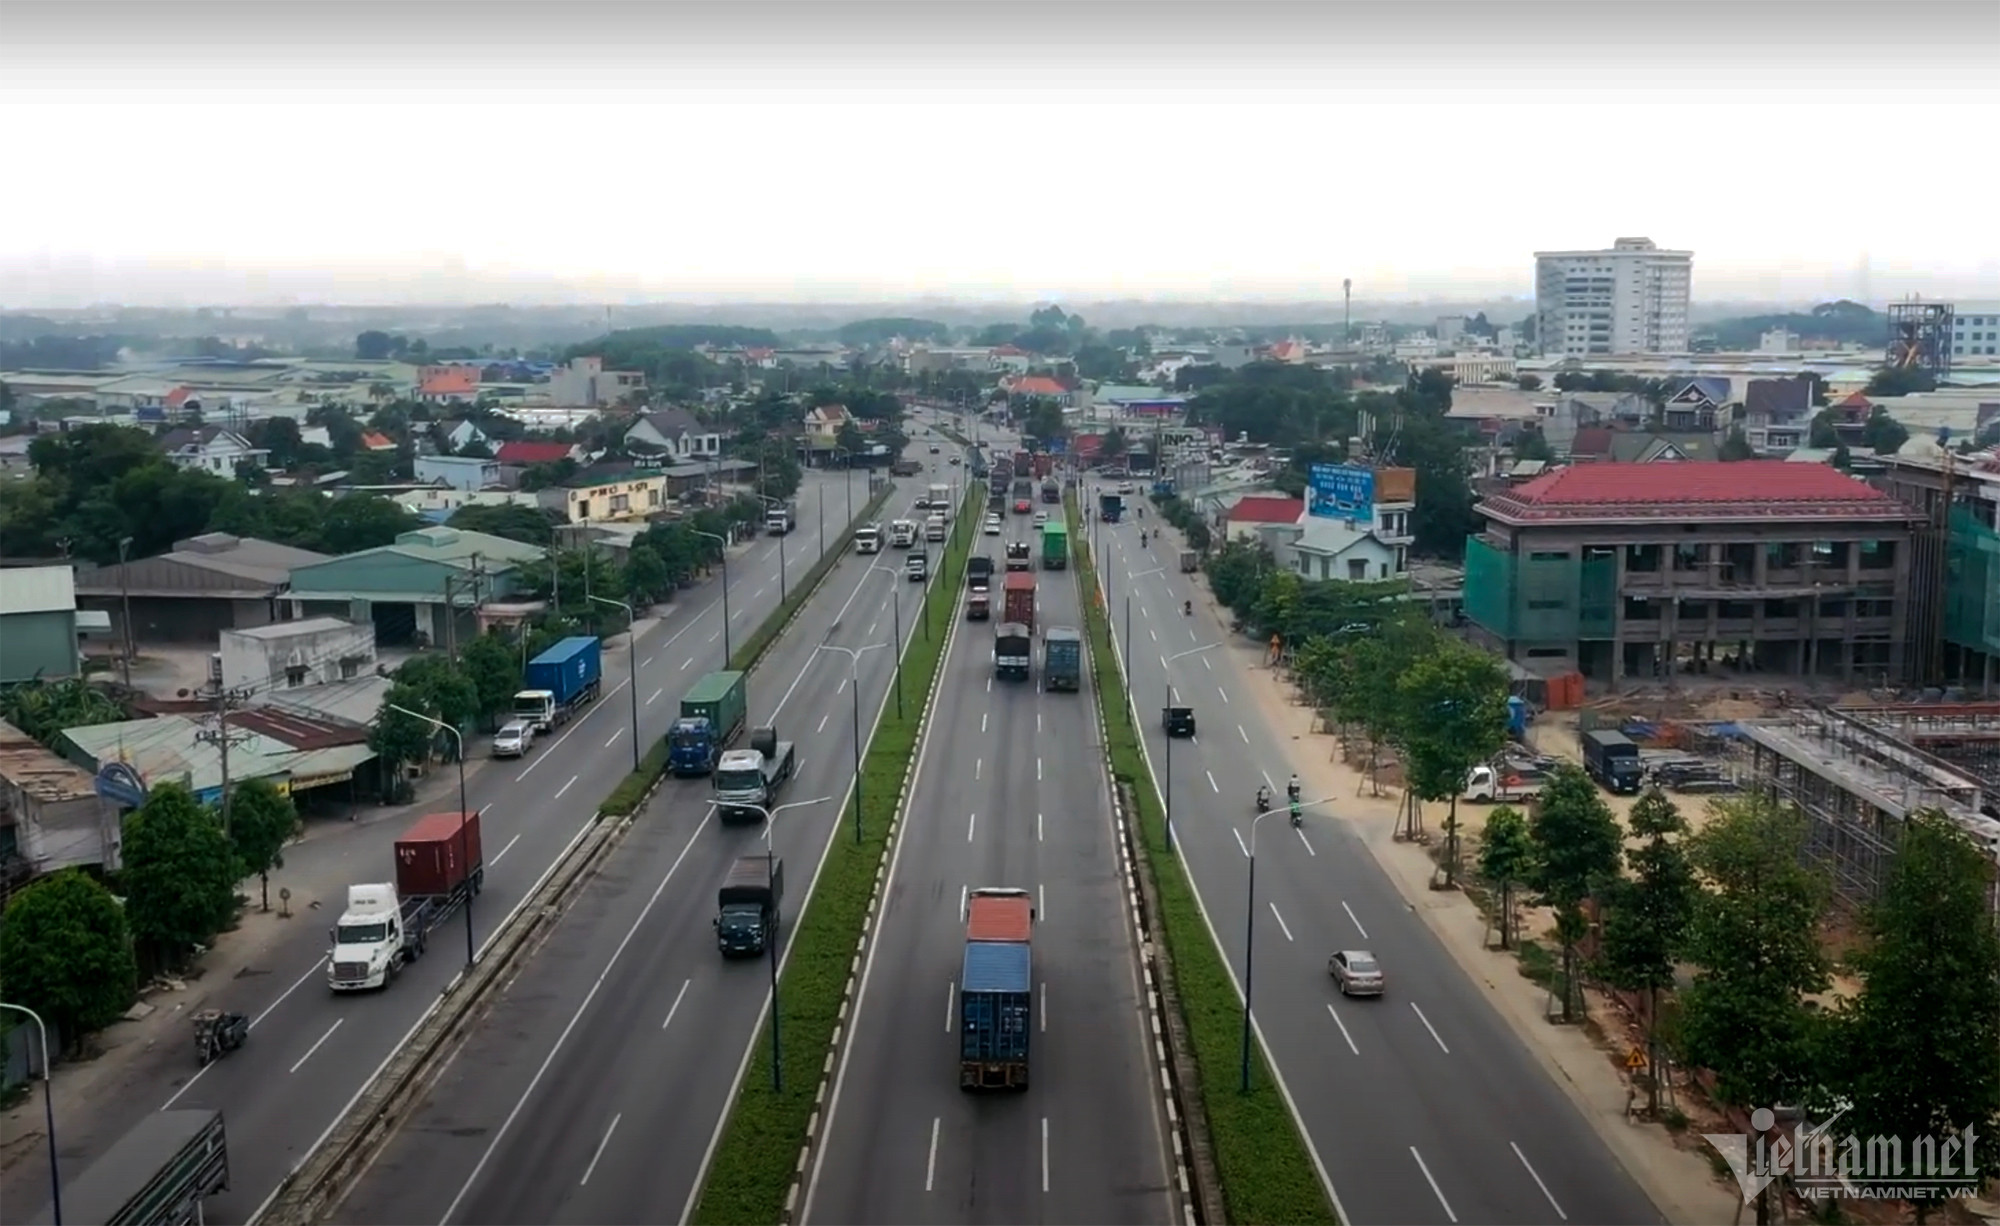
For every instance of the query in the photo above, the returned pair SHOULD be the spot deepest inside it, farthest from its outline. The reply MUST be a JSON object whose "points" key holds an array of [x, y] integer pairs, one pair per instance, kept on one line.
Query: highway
{"points": [[1010, 791], [1422, 1107], [593, 1091], [310, 1051]]}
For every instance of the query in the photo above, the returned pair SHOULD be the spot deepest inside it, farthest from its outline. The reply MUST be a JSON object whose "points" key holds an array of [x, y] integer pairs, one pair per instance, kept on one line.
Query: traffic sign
{"points": [[1635, 1059]]}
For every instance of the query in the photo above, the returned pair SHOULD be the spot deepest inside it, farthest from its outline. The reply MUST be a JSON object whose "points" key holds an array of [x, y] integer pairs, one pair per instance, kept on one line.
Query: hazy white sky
{"points": [[396, 152]]}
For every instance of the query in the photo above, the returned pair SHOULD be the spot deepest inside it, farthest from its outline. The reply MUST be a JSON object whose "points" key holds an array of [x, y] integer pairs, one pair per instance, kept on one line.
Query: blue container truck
{"points": [[1062, 658], [712, 715], [560, 681], [1110, 507], [995, 1007]]}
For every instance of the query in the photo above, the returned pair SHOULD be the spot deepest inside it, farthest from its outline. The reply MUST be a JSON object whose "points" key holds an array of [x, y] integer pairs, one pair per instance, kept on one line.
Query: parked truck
{"points": [[1062, 658], [1055, 545], [561, 681], [155, 1175], [753, 776], [746, 907], [440, 864], [996, 991], [1502, 783], [1017, 602], [1051, 490], [1013, 651], [712, 714], [1612, 759]]}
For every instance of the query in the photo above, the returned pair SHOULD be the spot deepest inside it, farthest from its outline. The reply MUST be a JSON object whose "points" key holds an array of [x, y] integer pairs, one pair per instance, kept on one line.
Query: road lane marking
{"points": [[1038, 770], [1331, 1012], [1163, 665], [971, 824], [1433, 1029], [1045, 1153], [685, 663], [930, 1163], [1045, 1006], [564, 788], [1038, 722], [950, 1001], [1300, 831], [1351, 917], [1205, 664], [989, 685], [963, 891], [1211, 782], [1435, 1190], [646, 663], [1041, 904], [1225, 695], [315, 1047], [1284, 927], [1192, 635], [614, 737], [1538, 1181], [715, 636], [871, 628], [1143, 611], [1038, 827], [822, 722], [1156, 638], [656, 695], [977, 764], [600, 1149], [1239, 840], [676, 1006], [504, 850], [842, 687], [1243, 734], [312, 970], [982, 721]]}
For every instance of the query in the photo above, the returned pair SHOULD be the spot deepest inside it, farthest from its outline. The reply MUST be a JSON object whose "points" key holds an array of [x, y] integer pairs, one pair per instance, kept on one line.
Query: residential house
{"points": [[38, 623], [202, 586], [1604, 445], [458, 472], [1254, 515], [616, 493], [672, 434], [1777, 415], [1032, 386], [410, 590], [452, 384], [524, 453], [585, 383], [288, 655], [51, 817], [1701, 405], [210, 449], [823, 422], [375, 440], [1366, 549], [295, 752], [1012, 359], [465, 433]]}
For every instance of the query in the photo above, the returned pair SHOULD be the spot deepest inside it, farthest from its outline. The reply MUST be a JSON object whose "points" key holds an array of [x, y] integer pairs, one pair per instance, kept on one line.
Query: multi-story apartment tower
{"points": [[1630, 299]]}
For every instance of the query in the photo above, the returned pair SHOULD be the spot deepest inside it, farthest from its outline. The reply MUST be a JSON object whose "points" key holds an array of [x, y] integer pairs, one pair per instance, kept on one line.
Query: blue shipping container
{"points": [[995, 966], [995, 1010], [568, 668]]}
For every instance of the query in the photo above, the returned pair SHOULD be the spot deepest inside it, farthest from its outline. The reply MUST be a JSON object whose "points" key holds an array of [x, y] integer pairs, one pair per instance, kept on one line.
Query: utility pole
{"points": [[222, 738], [125, 600]]}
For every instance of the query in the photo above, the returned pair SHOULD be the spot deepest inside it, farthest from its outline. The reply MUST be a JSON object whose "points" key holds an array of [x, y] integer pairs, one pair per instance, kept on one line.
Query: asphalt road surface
{"points": [[310, 1050], [593, 1091], [1421, 1107], [1010, 791]]}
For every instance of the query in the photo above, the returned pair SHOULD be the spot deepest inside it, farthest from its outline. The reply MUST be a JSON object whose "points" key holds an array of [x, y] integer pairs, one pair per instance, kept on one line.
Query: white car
{"points": [[992, 525], [1124, 487], [1041, 518], [513, 739]]}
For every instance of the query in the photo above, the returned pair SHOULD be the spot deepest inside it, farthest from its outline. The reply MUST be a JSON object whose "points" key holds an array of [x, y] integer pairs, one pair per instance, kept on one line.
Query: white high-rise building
{"points": [[1630, 299]]}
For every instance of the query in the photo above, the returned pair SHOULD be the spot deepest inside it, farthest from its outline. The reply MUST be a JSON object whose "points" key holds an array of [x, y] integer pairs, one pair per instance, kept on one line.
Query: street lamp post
{"points": [[723, 543], [631, 665], [854, 655], [847, 462], [779, 502], [1250, 932], [48, 1107], [1169, 789], [464, 816], [770, 817], [896, 612]]}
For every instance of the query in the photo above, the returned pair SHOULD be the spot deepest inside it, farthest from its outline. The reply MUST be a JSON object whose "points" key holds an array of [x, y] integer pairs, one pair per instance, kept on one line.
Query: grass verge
{"points": [[759, 1151], [1266, 1172]]}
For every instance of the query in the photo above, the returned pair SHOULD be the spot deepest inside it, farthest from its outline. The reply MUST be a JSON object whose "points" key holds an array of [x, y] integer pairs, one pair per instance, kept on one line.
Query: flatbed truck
{"points": [[753, 776]]}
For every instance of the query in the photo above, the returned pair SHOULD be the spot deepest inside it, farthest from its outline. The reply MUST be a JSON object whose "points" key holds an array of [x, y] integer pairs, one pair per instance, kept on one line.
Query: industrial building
{"points": [[1645, 571], [202, 586], [408, 589], [38, 624]]}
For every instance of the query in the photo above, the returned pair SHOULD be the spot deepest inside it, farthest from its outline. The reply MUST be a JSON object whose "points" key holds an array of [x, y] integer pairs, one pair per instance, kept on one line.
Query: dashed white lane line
{"points": [[646, 663], [1282, 925], [971, 824], [1239, 841], [1044, 1001], [1435, 1190], [504, 850], [685, 663], [715, 636], [1156, 638], [822, 722], [1435, 1037], [1243, 734], [565, 787], [1045, 1153], [950, 1005], [977, 765], [1205, 664], [1219, 689], [1038, 770], [930, 1163], [656, 695], [316, 1046], [1331, 1012], [1352, 918], [982, 721], [1041, 903], [1211, 782], [1538, 1181], [600, 1149], [1302, 838], [613, 738], [676, 1006], [1038, 827]]}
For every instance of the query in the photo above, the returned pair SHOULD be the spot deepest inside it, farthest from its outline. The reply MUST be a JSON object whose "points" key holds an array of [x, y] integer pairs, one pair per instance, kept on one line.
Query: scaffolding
{"points": [[1972, 583], [1964, 734], [1920, 336], [1557, 599], [1857, 783]]}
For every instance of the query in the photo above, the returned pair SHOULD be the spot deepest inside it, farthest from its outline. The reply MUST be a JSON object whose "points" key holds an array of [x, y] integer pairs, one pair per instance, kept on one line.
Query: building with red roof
{"points": [[523, 452], [1636, 573], [1255, 512]]}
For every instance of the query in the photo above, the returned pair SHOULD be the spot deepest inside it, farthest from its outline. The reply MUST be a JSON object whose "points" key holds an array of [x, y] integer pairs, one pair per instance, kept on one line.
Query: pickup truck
{"points": [[439, 865], [561, 680], [159, 1172], [1013, 651], [747, 906], [712, 714], [1498, 783], [753, 776], [1062, 658]]}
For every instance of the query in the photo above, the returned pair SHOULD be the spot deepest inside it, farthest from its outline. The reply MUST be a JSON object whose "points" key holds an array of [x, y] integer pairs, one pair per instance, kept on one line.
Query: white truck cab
{"points": [[369, 942], [903, 533], [538, 708]]}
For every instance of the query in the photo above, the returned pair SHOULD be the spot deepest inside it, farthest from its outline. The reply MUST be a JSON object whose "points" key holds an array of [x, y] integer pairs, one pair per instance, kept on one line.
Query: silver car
{"points": [[1356, 972], [513, 739]]}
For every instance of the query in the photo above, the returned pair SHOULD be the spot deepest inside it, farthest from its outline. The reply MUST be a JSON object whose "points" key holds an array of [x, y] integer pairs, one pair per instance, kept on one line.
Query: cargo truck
{"points": [[1013, 651], [979, 571], [996, 991], [746, 907], [1499, 783], [1062, 658], [1023, 461], [779, 520], [906, 468], [1055, 545], [1111, 507], [440, 864], [902, 533], [978, 604], [1024, 493], [868, 538], [1051, 490], [1019, 556], [940, 501], [155, 1175], [753, 776], [712, 713], [1612, 759], [1018, 598], [560, 681]]}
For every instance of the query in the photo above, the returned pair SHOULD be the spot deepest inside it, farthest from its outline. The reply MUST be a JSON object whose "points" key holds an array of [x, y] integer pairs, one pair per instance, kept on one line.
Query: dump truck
{"points": [[1051, 490], [1013, 651], [753, 776], [746, 907], [996, 991], [156, 1174], [440, 863], [561, 681], [1612, 759], [1055, 545], [712, 714], [1111, 507], [1062, 658], [1018, 598]]}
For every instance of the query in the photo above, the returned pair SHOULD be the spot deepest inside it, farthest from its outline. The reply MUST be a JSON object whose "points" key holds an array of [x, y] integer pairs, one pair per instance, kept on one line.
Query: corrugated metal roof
{"points": [[165, 750], [37, 589]]}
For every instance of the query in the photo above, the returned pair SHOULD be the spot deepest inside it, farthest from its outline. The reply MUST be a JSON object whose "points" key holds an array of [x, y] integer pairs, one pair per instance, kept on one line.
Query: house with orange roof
{"points": [[823, 422], [446, 384], [1030, 386], [1287, 351], [375, 440]]}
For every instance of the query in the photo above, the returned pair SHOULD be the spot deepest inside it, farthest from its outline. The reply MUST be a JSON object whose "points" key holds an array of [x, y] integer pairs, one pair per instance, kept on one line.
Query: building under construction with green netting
{"points": [[1955, 561], [1637, 573]]}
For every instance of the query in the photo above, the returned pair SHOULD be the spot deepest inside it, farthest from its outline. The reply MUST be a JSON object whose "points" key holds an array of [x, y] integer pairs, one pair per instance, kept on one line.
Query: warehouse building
{"points": [[202, 586], [38, 623], [406, 589]]}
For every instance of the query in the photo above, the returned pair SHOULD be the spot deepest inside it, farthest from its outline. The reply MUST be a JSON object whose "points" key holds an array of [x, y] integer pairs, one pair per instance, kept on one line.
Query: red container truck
{"points": [[1018, 599], [440, 864], [432, 861]]}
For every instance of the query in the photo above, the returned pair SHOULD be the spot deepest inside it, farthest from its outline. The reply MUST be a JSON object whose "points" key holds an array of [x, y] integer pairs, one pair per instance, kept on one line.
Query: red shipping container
{"points": [[433, 858], [1018, 598], [1006, 917]]}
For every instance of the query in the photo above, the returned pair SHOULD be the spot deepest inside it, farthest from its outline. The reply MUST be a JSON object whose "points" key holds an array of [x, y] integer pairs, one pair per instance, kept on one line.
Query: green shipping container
{"points": [[1055, 545], [723, 699]]}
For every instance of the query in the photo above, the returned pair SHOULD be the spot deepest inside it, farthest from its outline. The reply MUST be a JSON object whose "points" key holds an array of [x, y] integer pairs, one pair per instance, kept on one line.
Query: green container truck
{"points": [[1055, 545], [712, 715]]}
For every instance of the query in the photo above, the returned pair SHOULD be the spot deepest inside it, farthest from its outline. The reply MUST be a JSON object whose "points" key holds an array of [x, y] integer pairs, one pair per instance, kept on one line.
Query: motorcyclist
{"points": [[1295, 811], [1187, 608], [1263, 798], [1142, 538], [1292, 788]]}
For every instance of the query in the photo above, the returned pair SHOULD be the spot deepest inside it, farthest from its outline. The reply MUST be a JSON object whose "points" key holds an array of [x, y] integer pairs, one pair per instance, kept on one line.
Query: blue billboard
{"points": [[1342, 491]]}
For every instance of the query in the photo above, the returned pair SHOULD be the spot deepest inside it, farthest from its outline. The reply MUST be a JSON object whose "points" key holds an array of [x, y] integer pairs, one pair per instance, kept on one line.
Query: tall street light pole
{"points": [[1192, 651], [48, 1107], [847, 462], [723, 545], [631, 665], [854, 655], [779, 502], [770, 817], [464, 816], [896, 607], [1250, 932]]}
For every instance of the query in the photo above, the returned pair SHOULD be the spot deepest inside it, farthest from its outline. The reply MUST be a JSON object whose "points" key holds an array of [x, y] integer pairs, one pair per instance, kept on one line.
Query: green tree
{"points": [[1823, 437], [1507, 862], [492, 662], [1576, 850], [65, 952], [1736, 447], [1044, 420], [373, 346], [1528, 383], [398, 737], [528, 525], [1900, 381], [1920, 1047], [1755, 942], [445, 690], [42, 709], [180, 872], [261, 821], [1649, 914], [1454, 701], [1883, 433], [362, 521], [646, 578], [1533, 445]]}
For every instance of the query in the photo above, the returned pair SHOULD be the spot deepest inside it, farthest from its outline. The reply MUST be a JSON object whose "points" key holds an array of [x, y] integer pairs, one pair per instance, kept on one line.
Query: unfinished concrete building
{"points": [[1648, 571], [1955, 564], [1857, 783]]}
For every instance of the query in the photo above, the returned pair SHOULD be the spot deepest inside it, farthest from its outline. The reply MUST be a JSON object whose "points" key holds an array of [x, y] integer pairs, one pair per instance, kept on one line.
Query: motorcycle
{"points": [[1263, 803], [1187, 608], [217, 1033], [1296, 815]]}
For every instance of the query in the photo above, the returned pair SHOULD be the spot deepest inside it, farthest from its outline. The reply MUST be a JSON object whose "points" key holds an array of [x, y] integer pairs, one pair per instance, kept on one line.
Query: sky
{"points": [[370, 152]]}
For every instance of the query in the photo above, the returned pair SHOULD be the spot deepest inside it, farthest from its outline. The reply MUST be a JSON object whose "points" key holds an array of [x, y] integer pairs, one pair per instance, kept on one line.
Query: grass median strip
{"points": [[1267, 1174], [758, 1155]]}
